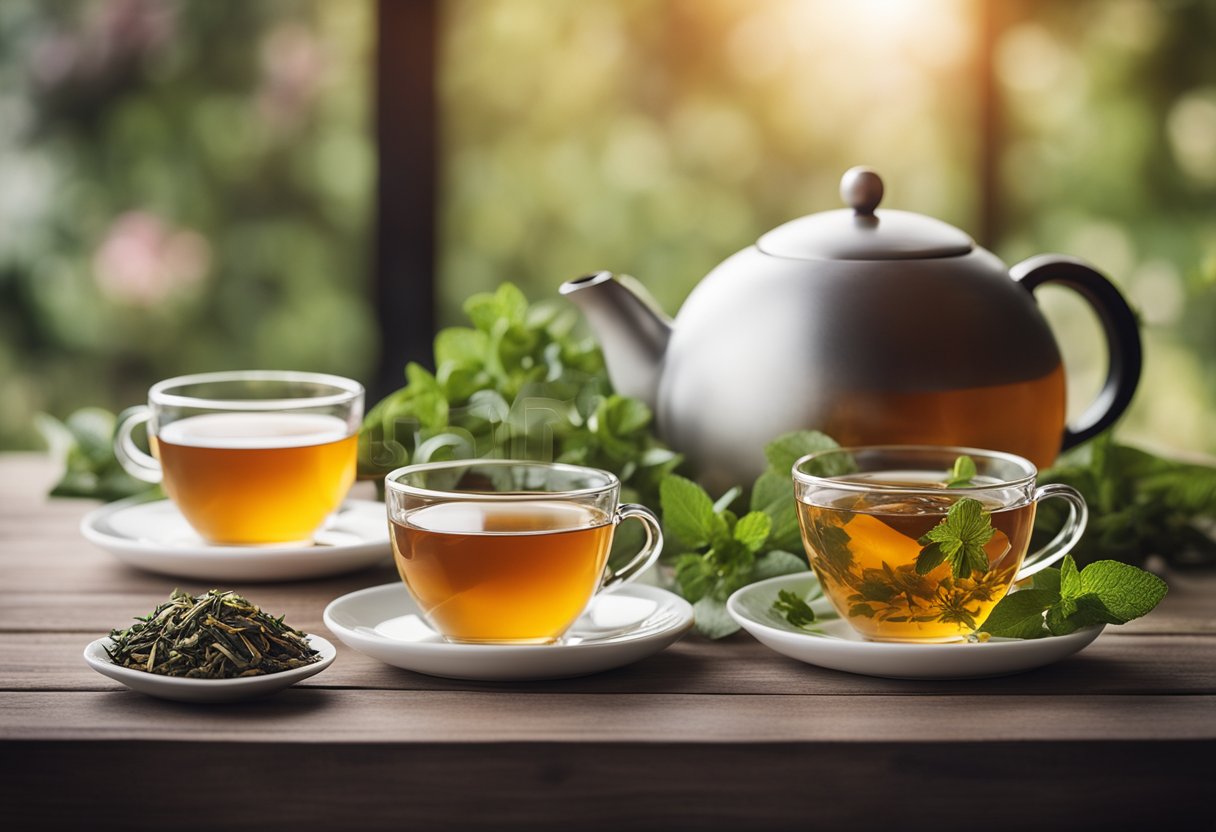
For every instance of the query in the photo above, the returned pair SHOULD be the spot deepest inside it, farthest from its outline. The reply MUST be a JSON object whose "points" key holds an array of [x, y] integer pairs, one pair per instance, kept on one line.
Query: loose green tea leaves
{"points": [[796, 611], [959, 538], [1065, 600], [962, 474], [217, 635]]}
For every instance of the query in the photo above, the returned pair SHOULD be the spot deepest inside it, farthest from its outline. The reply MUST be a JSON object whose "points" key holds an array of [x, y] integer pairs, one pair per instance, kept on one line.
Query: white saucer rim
{"points": [[683, 624], [92, 532], [833, 643], [96, 658]]}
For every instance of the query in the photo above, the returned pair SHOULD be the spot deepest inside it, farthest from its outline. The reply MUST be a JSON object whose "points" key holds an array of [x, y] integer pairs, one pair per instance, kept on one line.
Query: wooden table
{"points": [[704, 735]]}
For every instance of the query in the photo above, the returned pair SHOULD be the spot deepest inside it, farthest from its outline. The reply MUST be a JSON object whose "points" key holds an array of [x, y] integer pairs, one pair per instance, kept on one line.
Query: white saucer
{"points": [[618, 628], [206, 690], [831, 642], [154, 536]]}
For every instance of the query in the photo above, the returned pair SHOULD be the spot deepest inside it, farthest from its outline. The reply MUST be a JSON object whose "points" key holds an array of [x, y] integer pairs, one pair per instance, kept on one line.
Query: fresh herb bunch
{"points": [[516, 384], [85, 443], [721, 551], [1139, 505], [218, 635], [1067, 599]]}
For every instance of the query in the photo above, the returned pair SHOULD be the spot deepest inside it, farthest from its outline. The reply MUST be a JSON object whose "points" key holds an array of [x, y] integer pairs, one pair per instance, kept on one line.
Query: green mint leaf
{"points": [[712, 620], [788, 448], [961, 535], [930, 558], [462, 347], [621, 416], [1126, 591], [694, 576], [1071, 615], [795, 610], [1070, 579], [752, 530], [688, 513], [1048, 579], [962, 474], [1020, 614], [777, 562], [427, 400], [773, 493], [506, 304], [732, 563], [93, 429]]}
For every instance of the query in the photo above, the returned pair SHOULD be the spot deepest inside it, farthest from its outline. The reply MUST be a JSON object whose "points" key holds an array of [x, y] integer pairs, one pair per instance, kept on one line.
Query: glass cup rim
{"points": [[1030, 472], [392, 483], [349, 390]]}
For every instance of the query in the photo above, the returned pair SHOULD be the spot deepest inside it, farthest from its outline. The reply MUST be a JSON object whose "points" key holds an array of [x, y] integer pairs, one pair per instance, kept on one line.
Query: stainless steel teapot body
{"points": [[934, 349]]}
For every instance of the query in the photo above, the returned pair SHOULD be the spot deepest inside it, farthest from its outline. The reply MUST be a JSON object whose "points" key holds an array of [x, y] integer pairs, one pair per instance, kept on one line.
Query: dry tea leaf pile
{"points": [[217, 635]]}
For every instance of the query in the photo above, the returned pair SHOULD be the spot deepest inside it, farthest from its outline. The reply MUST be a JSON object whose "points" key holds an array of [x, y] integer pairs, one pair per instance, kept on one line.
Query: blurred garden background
{"points": [[191, 185]]}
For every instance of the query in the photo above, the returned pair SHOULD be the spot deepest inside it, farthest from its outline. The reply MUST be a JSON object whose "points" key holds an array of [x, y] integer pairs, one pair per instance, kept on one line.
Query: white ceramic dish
{"points": [[206, 690], [156, 537], [832, 643], [618, 628]]}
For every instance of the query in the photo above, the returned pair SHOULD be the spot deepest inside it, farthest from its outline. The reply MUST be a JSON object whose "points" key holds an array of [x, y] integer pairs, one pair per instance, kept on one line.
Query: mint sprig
{"points": [[962, 474], [517, 384], [796, 611], [1064, 600], [722, 551], [958, 539]]}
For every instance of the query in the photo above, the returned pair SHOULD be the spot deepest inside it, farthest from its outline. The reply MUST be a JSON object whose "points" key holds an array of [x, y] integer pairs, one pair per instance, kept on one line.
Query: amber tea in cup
{"points": [[252, 457], [868, 517], [499, 551]]}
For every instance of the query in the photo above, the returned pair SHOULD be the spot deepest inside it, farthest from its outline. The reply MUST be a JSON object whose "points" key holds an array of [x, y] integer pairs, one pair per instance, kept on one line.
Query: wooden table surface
{"points": [[703, 735]]}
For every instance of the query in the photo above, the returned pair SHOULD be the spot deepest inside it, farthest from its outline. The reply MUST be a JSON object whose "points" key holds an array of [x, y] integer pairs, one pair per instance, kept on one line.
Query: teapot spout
{"points": [[631, 329]]}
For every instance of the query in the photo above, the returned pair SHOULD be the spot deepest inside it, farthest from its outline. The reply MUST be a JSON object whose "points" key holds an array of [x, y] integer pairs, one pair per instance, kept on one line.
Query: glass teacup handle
{"points": [[1067, 538], [130, 456], [650, 550]]}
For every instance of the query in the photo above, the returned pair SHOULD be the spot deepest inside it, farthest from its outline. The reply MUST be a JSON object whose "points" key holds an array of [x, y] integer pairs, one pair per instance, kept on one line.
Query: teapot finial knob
{"points": [[861, 188]]}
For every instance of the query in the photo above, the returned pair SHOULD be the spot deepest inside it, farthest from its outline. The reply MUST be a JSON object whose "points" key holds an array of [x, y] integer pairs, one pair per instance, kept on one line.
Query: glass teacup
{"points": [[501, 551], [903, 556], [249, 457]]}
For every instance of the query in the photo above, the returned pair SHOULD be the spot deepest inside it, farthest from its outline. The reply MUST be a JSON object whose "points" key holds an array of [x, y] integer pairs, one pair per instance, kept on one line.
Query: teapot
{"points": [[873, 326]]}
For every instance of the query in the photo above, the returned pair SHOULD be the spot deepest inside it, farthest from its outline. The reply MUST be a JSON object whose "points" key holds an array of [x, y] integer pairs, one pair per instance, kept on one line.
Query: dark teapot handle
{"points": [[1118, 323]]}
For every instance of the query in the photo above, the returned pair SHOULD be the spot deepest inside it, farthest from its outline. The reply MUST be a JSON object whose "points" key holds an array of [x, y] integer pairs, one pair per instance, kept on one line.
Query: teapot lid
{"points": [[864, 233]]}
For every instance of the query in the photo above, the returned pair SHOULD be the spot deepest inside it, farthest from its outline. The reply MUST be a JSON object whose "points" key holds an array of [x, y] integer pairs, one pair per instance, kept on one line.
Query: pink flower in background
{"points": [[294, 64], [112, 36], [143, 260]]}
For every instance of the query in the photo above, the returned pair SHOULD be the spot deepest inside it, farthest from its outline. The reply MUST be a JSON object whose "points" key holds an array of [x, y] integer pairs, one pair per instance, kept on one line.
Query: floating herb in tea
{"points": [[217, 635], [959, 538], [962, 474]]}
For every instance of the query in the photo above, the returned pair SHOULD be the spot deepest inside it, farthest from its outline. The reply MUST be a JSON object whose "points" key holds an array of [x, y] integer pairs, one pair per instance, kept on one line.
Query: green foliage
{"points": [[85, 444], [516, 384], [1064, 600], [721, 552], [1139, 505]]}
